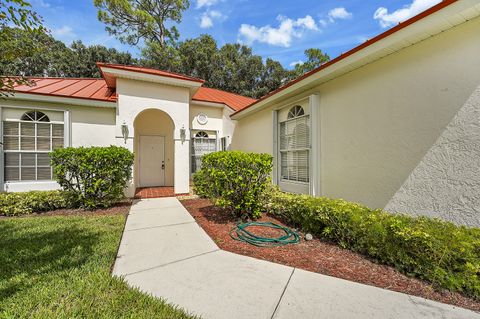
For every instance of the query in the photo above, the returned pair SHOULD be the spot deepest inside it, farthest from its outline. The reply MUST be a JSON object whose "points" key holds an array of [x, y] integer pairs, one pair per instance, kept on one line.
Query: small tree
{"points": [[93, 176], [134, 20], [235, 180]]}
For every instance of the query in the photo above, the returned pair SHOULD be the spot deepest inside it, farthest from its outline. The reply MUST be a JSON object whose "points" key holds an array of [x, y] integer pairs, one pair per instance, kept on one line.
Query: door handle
{"points": [[163, 164]]}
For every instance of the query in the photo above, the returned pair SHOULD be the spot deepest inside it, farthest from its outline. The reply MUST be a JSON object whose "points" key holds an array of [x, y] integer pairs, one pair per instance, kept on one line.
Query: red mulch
{"points": [[317, 256]]}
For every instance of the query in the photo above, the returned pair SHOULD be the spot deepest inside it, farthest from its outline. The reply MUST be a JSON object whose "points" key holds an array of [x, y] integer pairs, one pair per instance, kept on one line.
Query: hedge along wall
{"points": [[437, 251]]}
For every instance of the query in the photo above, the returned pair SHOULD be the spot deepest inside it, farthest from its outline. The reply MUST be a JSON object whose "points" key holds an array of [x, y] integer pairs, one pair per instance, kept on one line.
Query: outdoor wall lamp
{"points": [[125, 131], [182, 133]]}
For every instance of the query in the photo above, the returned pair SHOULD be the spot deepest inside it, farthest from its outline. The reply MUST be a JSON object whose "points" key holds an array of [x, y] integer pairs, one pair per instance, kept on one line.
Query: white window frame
{"points": [[313, 187], [193, 139], [20, 186]]}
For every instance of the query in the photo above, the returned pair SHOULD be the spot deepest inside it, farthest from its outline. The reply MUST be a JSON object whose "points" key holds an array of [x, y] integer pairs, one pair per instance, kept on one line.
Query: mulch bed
{"points": [[317, 256], [120, 208]]}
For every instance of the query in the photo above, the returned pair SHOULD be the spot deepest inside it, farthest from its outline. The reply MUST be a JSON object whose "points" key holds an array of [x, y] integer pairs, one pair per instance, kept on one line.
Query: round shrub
{"points": [[235, 180], [93, 176]]}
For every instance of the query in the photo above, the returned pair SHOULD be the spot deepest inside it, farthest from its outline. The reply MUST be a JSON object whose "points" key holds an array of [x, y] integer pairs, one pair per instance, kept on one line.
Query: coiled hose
{"points": [[241, 233]]}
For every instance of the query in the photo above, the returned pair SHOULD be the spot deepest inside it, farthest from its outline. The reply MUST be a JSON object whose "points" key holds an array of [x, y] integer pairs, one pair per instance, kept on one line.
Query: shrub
{"points": [[234, 180], [93, 176], [12, 204], [440, 252]]}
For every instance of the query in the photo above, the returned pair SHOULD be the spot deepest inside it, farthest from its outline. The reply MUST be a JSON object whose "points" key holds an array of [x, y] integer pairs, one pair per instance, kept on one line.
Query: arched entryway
{"points": [[154, 149]]}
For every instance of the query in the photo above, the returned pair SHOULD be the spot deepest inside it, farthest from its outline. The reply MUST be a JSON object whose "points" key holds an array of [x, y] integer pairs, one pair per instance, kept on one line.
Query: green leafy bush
{"points": [[235, 180], [12, 204], [437, 251], [93, 176]]}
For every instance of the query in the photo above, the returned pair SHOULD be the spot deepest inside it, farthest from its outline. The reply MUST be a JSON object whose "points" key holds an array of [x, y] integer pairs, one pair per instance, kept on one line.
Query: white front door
{"points": [[152, 161]]}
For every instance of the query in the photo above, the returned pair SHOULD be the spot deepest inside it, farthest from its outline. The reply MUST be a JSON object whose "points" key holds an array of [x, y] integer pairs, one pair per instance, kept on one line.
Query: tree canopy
{"points": [[17, 14], [134, 20], [231, 67], [59, 60]]}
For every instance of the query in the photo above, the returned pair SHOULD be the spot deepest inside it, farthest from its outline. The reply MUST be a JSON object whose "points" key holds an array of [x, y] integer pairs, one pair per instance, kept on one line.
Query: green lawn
{"points": [[59, 267]]}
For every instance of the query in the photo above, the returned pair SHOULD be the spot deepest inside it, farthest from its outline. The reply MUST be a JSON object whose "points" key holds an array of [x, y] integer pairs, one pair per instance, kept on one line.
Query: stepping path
{"points": [[165, 253]]}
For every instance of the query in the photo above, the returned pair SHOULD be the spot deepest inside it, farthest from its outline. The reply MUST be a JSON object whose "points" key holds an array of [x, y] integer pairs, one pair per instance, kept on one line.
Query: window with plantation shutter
{"points": [[294, 143], [26, 145], [201, 144]]}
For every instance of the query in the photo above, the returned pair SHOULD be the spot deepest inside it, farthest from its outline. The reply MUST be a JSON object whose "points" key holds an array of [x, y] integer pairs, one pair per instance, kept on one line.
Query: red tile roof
{"points": [[81, 88], [400, 26], [235, 101], [96, 89], [151, 71]]}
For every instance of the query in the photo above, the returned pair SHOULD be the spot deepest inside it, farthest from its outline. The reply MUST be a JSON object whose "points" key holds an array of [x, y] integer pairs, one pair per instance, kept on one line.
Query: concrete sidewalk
{"points": [[165, 253]]}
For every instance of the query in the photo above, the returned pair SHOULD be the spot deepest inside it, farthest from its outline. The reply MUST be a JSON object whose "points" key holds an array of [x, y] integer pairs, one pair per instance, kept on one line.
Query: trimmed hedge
{"points": [[235, 180], [434, 250], [13, 204], [93, 176]]}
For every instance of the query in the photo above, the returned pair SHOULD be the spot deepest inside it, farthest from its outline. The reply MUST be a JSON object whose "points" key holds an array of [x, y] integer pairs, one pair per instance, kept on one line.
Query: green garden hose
{"points": [[241, 233]]}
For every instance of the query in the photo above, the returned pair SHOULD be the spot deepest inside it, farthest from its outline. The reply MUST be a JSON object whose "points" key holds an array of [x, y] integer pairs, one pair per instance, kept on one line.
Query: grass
{"points": [[59, 267]]}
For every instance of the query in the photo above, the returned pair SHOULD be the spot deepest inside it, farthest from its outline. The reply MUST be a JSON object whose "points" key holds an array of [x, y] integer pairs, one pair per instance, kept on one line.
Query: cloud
{"points": [[206, 22], [280, 36], [207, 18], [294, 63], [205, 3], [41, 3], [64, 33], [339, 13], [387, 19]]}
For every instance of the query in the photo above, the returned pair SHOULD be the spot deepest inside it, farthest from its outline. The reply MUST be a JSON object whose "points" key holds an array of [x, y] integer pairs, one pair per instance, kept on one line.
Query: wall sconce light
{"points": [[183, 133], [125, 131]]}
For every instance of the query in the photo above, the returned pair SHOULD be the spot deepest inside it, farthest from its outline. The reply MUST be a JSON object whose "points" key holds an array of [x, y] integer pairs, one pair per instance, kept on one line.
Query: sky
{"points": [[278, 29]]}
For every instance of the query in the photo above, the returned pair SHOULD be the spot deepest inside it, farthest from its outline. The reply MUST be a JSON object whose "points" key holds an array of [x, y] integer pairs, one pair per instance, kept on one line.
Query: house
{"points": [[168, 120], [393, 123]]}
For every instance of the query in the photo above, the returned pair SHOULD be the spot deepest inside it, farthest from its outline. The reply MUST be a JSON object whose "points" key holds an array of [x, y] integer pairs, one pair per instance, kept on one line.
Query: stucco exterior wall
{"points": [[88, 126], [214, 115], [379, 121], [136, 96], [255, 133], [446, 182]]}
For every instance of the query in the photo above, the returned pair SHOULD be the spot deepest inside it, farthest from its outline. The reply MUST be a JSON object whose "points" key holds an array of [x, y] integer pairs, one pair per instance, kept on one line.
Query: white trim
{"points": [[445, 19], [315, 146], [156, 78], [212, 104], [2, 177], [67, 125], [63, 100], [26, 186], [276, 149]]}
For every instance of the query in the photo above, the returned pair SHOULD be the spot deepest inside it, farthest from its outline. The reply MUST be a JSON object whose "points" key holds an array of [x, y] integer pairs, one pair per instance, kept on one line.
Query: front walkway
{"points": [[165, 253]]}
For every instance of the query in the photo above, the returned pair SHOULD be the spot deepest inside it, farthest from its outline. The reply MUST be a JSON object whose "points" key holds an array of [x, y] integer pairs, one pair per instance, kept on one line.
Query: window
{"points": [[295, 146], [295, 111], [26, 143], [202, 143]]}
